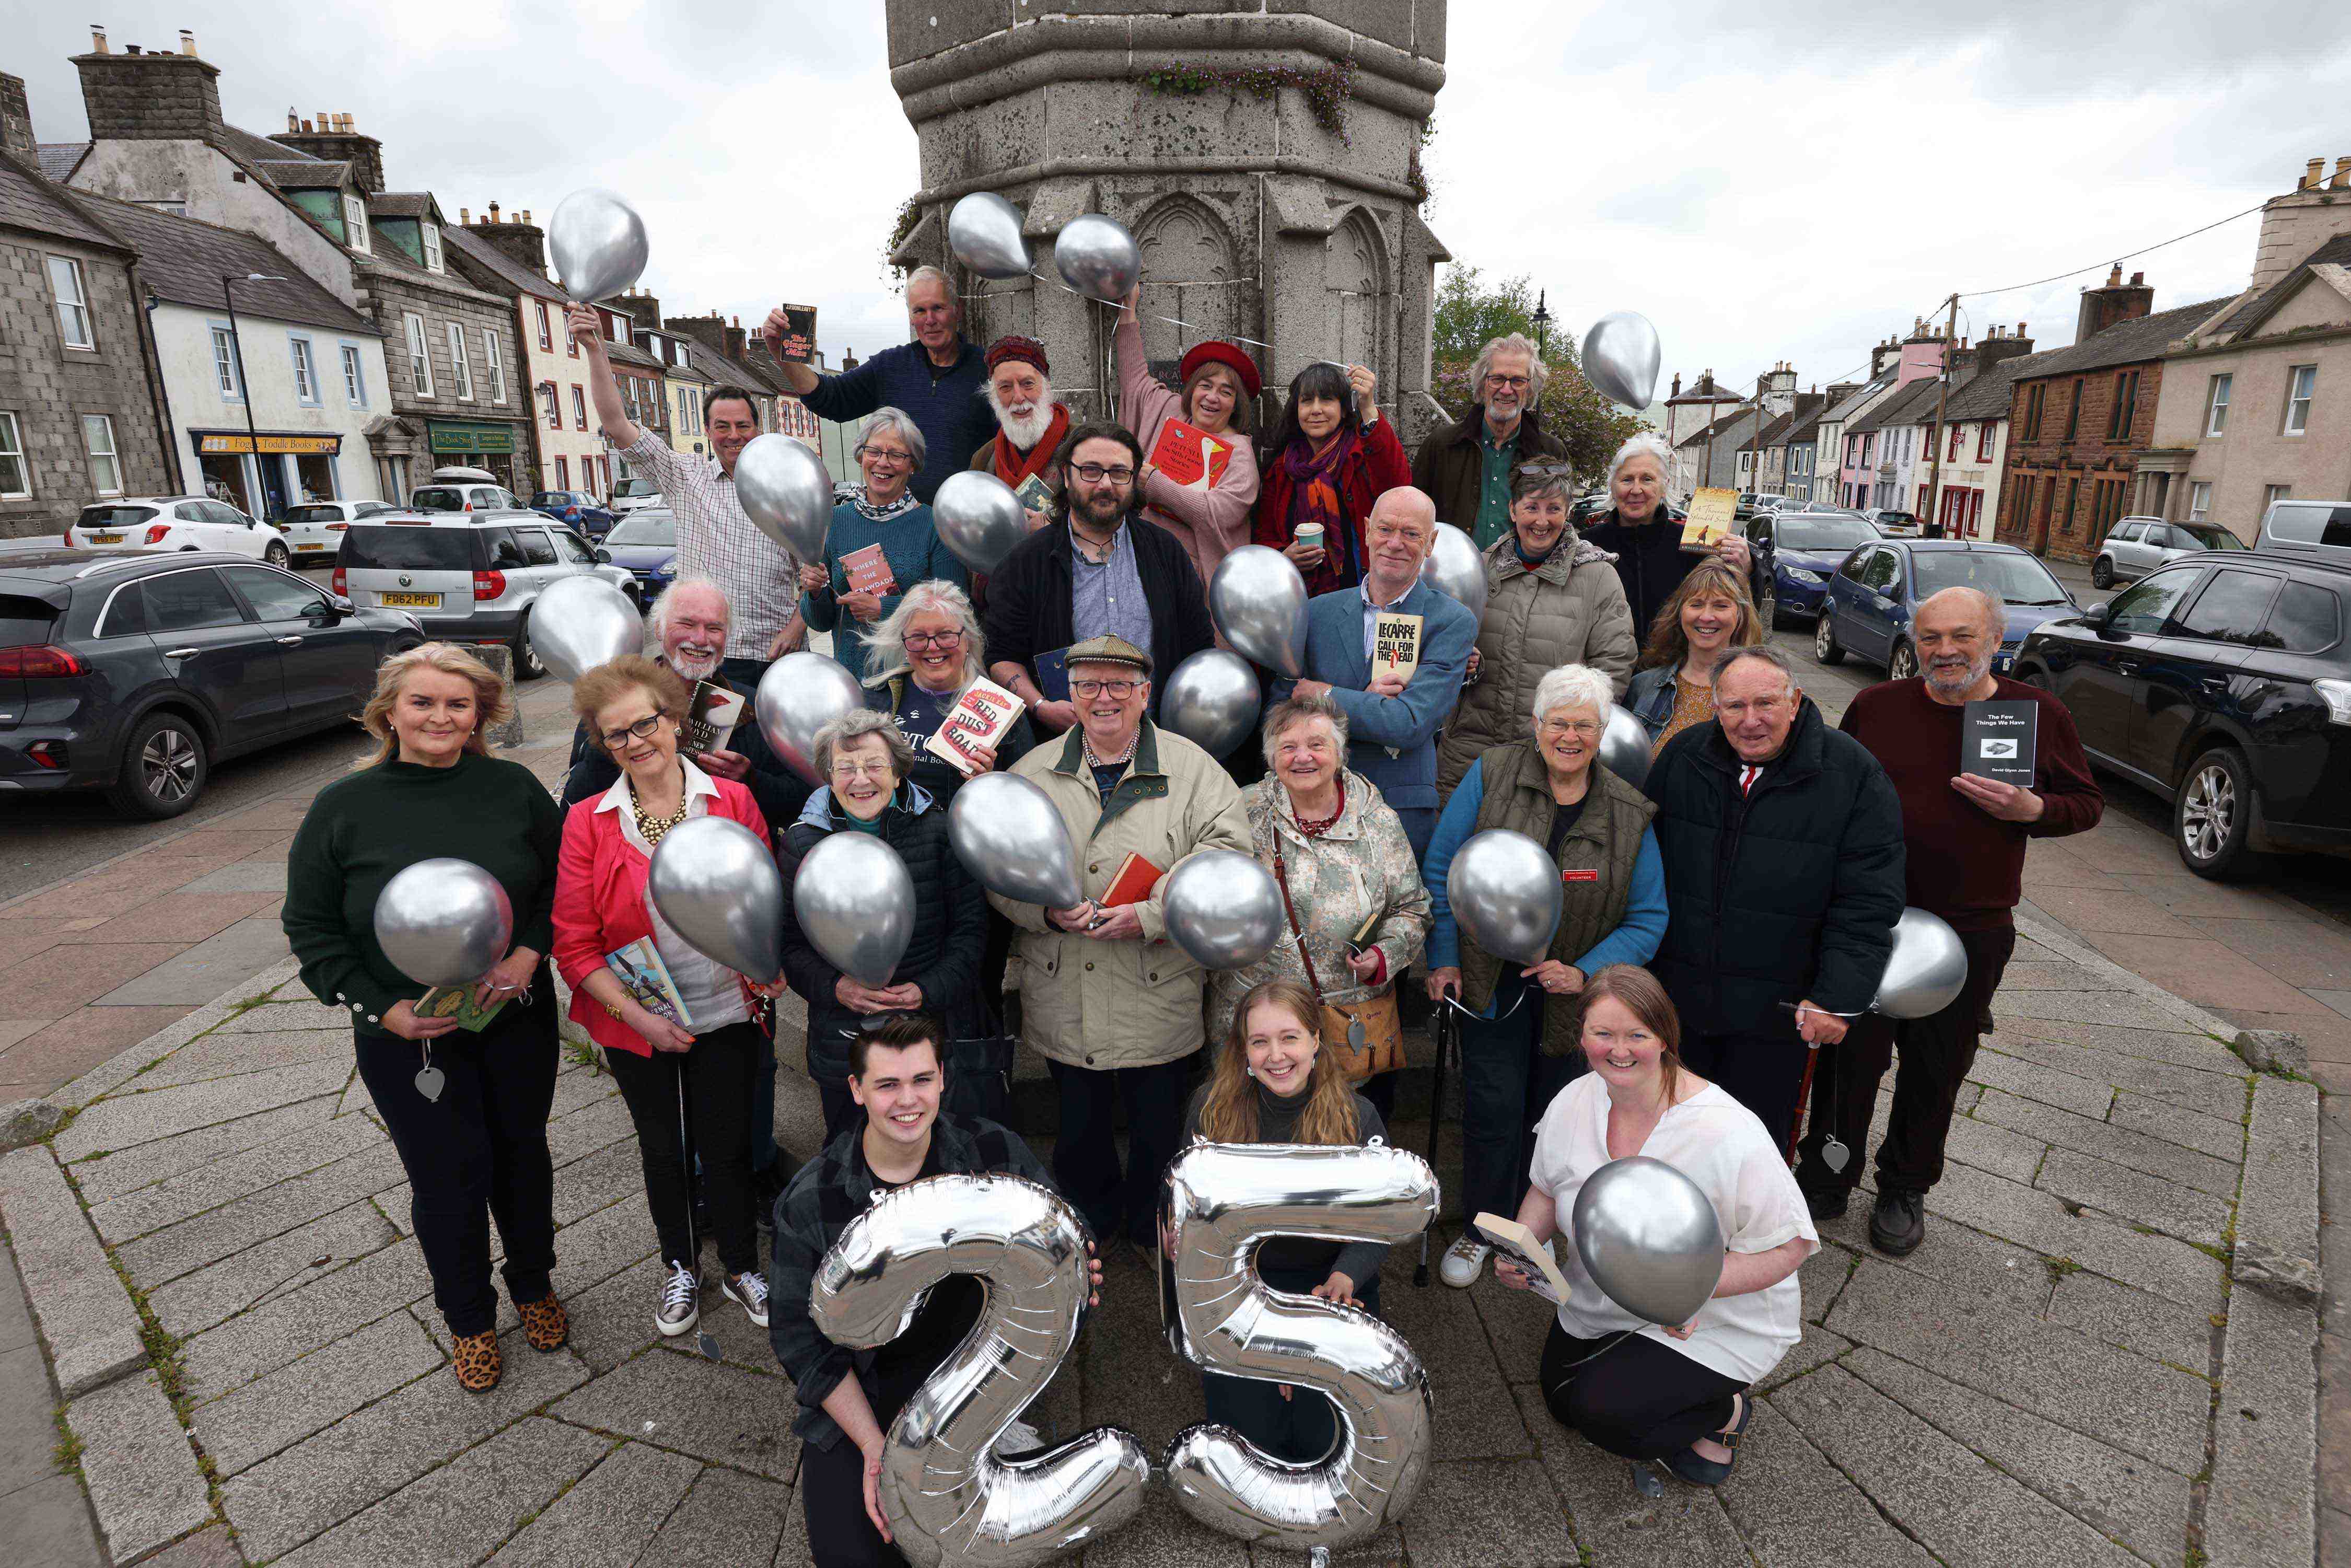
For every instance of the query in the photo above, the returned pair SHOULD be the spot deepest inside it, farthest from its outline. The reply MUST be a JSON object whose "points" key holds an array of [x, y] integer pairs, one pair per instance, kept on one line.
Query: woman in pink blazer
{"points": [[1220, 384], [680, 1033]]}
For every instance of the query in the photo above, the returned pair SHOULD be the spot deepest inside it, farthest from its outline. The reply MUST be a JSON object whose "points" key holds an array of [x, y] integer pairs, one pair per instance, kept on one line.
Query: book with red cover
{"points": [[976, 723], [1135, 879], [868, 572], [1190, 455]]}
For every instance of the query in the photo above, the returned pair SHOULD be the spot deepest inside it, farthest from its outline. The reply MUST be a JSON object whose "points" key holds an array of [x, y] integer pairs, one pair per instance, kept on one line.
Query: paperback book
{"points": [[975, 724], [1997, 739], [711, 715], [639, 967], [1190, 456], [1516, 1242], [457, 1002]]}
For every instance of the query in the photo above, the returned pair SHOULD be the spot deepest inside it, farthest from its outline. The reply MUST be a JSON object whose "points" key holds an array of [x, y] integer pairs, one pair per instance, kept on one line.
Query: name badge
{"points": [[1579, 876]]}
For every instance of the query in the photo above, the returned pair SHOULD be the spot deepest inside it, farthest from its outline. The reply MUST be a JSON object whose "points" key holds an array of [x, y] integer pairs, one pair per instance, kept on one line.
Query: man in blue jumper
{"points": [[938, 378]]}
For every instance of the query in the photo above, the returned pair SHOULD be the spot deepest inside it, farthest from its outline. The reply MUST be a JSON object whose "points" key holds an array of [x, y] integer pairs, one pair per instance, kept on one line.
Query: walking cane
{"points": [[703, 1340], [1834, 1153], [1438, 1030]]}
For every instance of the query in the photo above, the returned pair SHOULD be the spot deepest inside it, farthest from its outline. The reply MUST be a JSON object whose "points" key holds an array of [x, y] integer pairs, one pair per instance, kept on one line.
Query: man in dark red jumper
{"points": [[1964, 838]]}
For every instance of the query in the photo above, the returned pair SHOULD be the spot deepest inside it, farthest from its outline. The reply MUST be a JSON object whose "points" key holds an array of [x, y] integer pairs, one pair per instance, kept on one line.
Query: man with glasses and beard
{"points": [[1100, 570], [1466, 467], [1963, 847]]}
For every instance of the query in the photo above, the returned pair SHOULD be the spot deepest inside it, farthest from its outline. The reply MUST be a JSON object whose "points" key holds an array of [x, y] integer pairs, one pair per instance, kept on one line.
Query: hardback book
{"points": [[1054, 674], [1997, 739], [1713, 516], [1395, 643], [1035, 494], [639, 967], [976, 723], [797, 345], [711, 716], [1190, 455], [1135, 879], [457, 1002], [1516, 1242], [867, 570]]}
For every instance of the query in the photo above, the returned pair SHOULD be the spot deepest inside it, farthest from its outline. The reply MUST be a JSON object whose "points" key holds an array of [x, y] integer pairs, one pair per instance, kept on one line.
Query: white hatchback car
{"points": [[175, 523], [314, 528]]}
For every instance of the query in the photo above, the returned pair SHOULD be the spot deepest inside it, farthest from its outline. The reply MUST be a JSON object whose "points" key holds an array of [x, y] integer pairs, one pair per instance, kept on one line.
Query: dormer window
{"points": [[355, 225], [431, 245]]}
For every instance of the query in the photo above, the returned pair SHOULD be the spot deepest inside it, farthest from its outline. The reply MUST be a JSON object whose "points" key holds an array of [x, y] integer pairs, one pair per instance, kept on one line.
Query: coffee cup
{"points": [[1310, 535]]}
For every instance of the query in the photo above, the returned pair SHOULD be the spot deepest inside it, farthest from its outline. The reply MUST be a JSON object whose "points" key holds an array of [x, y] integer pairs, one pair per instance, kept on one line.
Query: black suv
{"points": [[2223, 684], [134, 673]]}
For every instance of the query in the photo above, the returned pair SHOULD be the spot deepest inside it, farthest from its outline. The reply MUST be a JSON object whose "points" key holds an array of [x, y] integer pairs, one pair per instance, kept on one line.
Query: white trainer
{"points": [[1464, 1260]]}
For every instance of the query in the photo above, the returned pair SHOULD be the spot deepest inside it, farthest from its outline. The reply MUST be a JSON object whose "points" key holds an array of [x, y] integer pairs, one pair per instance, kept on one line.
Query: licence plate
{"points": [[106, 538], [409, 600], [309, 547]]}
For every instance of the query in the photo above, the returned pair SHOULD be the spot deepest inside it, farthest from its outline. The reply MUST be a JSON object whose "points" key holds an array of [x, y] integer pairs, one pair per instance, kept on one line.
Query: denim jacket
{"points": [[1650, 697]]}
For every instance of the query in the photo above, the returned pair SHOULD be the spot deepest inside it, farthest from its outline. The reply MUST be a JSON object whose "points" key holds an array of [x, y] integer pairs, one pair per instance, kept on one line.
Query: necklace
{"points": [[1315, 827], [652, 828]]}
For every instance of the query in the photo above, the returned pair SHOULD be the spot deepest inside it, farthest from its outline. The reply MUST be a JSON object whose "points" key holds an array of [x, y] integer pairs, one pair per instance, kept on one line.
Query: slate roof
{"points": [[1810, 408], [183, 260], [1842, 409], [2125, 342], [1895, 409], [725, 369], [401, 204], [2336, 250], [491, 260], [305, 174], [59, 158], [1989, 395], [29, 201], [254, 149]]}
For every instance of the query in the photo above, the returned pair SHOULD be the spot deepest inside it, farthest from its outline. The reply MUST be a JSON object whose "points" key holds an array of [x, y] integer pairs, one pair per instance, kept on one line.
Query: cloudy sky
{"points": [[1765, 181]]}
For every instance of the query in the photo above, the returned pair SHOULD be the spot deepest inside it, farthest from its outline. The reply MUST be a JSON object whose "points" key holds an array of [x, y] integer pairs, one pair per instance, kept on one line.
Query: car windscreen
{"points": [[632, 488], [439, 498], [1799, 531], [2301, 523], [121, 517], [2017, 579], [653, 527], [1896, 519], [314, 514], [551, 498], [393, 547]]}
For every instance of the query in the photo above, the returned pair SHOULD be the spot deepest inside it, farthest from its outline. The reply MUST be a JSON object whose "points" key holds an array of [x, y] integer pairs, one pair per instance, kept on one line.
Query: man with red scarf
{"points": [[1030, 421]]}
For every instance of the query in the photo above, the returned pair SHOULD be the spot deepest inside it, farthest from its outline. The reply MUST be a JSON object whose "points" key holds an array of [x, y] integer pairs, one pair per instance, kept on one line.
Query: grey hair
{"points": [[1537, 371], [1573, 687], [657, 618], [855, 725], [1298, 710], [1526, 485], [896, 419], [1764, 652], [928, 274], [885, 650], [1645, 443]]}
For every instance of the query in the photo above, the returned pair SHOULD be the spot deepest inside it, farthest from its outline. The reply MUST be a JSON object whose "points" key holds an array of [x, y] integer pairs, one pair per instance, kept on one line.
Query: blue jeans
{"points": [[1506, 1083]]}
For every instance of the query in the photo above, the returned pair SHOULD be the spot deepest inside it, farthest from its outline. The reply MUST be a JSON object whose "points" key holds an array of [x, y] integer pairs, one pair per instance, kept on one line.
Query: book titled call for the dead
{"points": [[976, 723], [1996, 740], [1395, 643]]}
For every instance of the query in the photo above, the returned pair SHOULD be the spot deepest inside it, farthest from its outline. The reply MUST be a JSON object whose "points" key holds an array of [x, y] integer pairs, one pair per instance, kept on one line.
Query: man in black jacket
{"points": [[1099, 570], [1782, 845]]}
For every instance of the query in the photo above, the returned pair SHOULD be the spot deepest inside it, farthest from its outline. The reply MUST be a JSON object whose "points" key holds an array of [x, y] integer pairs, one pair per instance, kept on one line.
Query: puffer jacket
{"points": [[1091, 1003], [1571, 610], [942, 956]]}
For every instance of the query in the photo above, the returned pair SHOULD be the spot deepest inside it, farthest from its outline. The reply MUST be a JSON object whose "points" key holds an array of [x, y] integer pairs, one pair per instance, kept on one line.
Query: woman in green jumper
{"points": [[878, 523], [473, 1133]]}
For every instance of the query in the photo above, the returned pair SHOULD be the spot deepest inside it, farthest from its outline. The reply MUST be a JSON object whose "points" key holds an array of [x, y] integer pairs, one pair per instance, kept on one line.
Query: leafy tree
{"points": [[1469, 314]]}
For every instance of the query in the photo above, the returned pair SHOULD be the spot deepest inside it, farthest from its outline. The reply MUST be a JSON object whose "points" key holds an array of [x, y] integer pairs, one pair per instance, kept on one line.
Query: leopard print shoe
{"points": [[545, 1323], [478, 1361]]}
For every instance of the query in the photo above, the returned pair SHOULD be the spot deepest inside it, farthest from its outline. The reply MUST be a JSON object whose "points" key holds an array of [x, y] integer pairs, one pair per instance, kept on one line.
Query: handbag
{"points": [[1366, 1037]]}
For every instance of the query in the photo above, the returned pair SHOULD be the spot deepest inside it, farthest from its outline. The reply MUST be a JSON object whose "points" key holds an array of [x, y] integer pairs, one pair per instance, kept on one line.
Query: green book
{"points": [[457, 1002]]}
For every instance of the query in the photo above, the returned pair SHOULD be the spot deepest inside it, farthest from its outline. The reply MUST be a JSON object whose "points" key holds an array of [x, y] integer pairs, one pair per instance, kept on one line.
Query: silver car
{"points": [[467, 576], [2137, 546]]}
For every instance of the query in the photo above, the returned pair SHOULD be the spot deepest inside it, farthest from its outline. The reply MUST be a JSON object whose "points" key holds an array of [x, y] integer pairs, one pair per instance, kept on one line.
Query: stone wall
{"points": [[152, 96], [387, 297]]}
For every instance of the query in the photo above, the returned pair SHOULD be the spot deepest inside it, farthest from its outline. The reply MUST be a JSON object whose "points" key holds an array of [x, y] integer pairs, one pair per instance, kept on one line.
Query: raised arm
{"points": [[587, 329]]}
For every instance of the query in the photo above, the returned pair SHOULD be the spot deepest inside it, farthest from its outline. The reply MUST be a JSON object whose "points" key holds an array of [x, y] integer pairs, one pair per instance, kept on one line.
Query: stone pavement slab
{"points": [[190, 1193], [196, 1301], [143, 1478], [2194, 1216], [87, 1317], [282, 1407], [48, 1524], [128, 1119], [675, 1400], [610, 1514], [2280, 1207], [725, 1517], [1615, 1525], [2260, 1509], [227, 1055], [2223, 1138], [1474, 1512], [2158, 1329], [2044, 1223], [28, 1436], [206, 969], [224, 1232], [1795, 1510], [2133, 1150]]}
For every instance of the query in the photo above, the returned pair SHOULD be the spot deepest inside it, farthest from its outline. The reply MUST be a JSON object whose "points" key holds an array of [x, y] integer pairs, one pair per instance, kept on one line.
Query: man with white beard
{"points": [[1030, 423], [1466, 467]]}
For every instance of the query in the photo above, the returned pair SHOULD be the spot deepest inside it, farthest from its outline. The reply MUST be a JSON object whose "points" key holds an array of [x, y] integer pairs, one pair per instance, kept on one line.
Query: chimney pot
{"points": [[2342, 180], [2310, 174], [130, 49], [465, 216], [305, 127], [293, 121], [187, 42], [526, 214], [98, 39], [2137, 279], [493, 212]]}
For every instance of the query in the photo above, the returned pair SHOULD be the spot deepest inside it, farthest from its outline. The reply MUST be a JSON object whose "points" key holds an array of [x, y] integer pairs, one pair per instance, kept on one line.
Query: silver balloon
{"points": [[855, 900], [1211, 700], [1620, 356], [984, 231], [1649, 1238], [1096, 256], [1223, 908], [597, 243], [1259, 602], [978, 517], [948, 1496], [1456, 569], [1926, 970], [443, 922], [1624, 747], [1009, 834], [786, 491], [800, 695], [580, 623], [1219, 1201], [1504, 890], [717, 885]]}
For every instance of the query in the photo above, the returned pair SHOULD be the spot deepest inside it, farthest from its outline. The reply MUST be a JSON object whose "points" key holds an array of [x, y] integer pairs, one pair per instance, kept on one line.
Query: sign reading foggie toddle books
{"points": [[1190, 455], [798, 344], [976, 723]]}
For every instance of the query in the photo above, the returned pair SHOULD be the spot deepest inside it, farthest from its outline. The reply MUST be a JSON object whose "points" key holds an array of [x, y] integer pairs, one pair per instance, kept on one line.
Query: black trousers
{"points": [[1300, 1429], [476, 1154], [1937, 1052], [833, 1481], [1085, 1153], [718, 1074], [1506, 1083], [1764, 1073], [1638, 1399]]}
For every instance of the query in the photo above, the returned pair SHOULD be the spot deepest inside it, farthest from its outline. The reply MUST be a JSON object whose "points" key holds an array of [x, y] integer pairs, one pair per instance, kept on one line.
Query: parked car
{"points": [[1893, 522], [464, 490], [1796, 550], [468, 576], [2222, 682], [136, 674], [2136, 546], [634, 495], [2310, 528], [1873, 596], [314, 528], [645, 542], [575, 508], [175, 523]]}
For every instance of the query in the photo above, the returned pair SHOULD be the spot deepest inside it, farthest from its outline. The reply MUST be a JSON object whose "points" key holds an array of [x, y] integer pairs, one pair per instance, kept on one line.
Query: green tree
{"points": [[1470, 315]]}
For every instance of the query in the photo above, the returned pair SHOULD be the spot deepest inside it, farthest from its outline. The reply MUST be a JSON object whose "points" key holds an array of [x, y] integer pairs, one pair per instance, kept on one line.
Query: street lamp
{"points": [[237, 348], [1542, 323]]}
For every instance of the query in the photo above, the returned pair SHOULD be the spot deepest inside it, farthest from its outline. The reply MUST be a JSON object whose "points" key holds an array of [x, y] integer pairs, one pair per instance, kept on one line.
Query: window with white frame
{"points": [[105, 469], [354, 376], [546, 332], [578, 407], [548, 409], [494, 360], [355, 225], [431, 231], [461, 368], [420, 355], [306, 377], [15, 478], [224, 361], [2216, 405], [2199, 499], [2300, 382], [73, 302]]}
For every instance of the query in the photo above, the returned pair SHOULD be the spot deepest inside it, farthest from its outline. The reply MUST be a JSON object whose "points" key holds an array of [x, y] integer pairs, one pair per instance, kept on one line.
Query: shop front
{"points": [[476, 444], [264, 473]]}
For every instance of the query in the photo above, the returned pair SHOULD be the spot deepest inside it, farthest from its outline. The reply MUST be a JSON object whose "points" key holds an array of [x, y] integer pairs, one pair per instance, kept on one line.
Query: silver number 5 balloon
{"points": [[946, 1495], [1221, 1200]]}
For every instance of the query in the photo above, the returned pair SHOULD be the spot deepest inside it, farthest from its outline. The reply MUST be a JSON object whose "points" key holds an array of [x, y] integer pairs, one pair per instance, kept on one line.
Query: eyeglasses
{"points": [[1510, 383], [932, 639], [885, 454], [1095, 474], [1585, 727], [876, 770], [1091, 689], [1545, 469], [642, 730]]}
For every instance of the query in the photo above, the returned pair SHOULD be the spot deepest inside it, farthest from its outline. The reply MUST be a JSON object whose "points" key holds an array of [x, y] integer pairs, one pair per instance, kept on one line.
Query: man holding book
{"points": [[1964, 831]]}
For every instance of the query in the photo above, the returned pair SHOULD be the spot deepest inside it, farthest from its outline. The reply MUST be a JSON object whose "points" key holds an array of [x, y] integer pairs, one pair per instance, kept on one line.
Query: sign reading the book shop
{"points": [[448, 436]]}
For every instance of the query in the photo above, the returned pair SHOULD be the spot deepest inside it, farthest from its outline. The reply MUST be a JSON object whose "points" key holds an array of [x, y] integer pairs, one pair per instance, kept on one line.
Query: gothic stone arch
{"points": [[1192, 271], [1357, 274]]}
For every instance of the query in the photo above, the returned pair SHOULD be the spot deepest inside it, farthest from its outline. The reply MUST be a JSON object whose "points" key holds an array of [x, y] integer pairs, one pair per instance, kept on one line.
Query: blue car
{"points": [[645, 542], [577, 508], [1796, 551], [1874, 595]]}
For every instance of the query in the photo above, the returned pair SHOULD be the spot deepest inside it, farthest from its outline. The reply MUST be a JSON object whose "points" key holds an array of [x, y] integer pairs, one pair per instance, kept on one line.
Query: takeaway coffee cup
{"points": [[1310, 535]]}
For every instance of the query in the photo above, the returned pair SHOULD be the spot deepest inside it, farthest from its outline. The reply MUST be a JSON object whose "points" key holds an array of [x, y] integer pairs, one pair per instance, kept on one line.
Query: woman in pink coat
{"points": [[1220, 382]]}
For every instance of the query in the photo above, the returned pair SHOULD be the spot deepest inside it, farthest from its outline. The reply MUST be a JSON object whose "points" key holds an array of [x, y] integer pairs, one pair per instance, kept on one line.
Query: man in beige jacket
{"points": [[1111, 1002]]}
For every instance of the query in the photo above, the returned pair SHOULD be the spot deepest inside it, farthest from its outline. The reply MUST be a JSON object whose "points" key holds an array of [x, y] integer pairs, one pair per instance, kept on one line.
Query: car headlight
{"points": [[2336, 696], [1797, 574]]}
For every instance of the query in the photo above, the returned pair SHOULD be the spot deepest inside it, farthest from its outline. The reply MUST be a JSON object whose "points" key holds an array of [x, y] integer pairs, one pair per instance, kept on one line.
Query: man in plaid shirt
{"points": [[716, 540]]}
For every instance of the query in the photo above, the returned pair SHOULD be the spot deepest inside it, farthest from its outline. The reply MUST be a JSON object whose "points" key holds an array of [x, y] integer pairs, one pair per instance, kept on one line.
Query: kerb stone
{"points": [[2261, 1509], [144, 1482], [2277, 1212], [85, 1313]]}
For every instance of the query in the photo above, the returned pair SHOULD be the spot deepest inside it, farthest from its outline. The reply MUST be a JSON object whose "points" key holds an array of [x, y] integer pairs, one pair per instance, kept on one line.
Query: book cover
{"points": [[711, 715], [457, 1002], [639, 967], [1135, 879], [867, 570], [1713, 513], [798, 344], [1035, 494], [1516, 1242], [976, 723], [1996, 740], [1054, 674], [1190, 455], [1395, 643]]}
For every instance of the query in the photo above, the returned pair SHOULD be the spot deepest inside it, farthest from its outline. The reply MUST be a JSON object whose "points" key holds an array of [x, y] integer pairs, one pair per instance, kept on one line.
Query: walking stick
{"points": [[1834, 1153], [1439, 1027], [703, 1341]]}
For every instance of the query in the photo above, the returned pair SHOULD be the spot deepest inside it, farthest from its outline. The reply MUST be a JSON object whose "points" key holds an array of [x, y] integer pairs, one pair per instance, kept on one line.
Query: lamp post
{"points": [[1543, 324], [237, 350]]}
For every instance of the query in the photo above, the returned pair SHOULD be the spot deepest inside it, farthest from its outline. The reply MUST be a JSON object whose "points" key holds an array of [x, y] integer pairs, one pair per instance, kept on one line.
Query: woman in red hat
{"points": [[1221, 384]]}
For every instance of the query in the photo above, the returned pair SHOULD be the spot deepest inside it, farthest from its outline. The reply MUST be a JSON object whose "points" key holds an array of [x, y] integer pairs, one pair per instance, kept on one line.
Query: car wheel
{"points": [[1825, 642], [163, 769], [1903, 664], [276, 554], [2212, 820], [2102, 573], [527, 664]]}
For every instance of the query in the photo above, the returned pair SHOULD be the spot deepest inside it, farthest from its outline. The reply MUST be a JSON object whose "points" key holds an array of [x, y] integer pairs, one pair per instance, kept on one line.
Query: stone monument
{"points": [[1267, 160]]}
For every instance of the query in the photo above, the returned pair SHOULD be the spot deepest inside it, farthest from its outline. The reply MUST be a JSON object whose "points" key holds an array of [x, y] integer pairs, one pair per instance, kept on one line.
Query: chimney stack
{"points": [[520, 240], [187, 43], [2310, 174], [2117, 301], [335, 137], [2300, 221], [2342, 180], [149, 96]]}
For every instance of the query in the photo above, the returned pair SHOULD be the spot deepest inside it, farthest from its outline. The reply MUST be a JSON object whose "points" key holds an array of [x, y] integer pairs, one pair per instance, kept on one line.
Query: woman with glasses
{"points": [[1220, 382], [1520, 1029], [881, 544], [1331, 456], [1550, 599], [919, 661], [864, 763], [1466, 467], [684, 1060]]}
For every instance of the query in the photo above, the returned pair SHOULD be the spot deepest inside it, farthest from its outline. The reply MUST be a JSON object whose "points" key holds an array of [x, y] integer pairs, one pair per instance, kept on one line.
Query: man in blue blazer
{"points": [[1392, 720]]}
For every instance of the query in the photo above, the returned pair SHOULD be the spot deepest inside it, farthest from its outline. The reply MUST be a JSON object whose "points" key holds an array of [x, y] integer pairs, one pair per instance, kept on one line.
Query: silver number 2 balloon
{"points": [[1219, 1201], [946, 1495]]}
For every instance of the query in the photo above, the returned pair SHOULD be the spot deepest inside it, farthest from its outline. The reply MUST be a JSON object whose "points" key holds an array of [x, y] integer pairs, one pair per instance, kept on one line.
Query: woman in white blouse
{"points": [[1639, 1389]]}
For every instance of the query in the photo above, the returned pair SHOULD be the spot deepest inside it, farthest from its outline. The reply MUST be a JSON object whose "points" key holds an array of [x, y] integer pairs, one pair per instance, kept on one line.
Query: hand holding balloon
{"points": [[509, 974], [1818, 1025]]}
